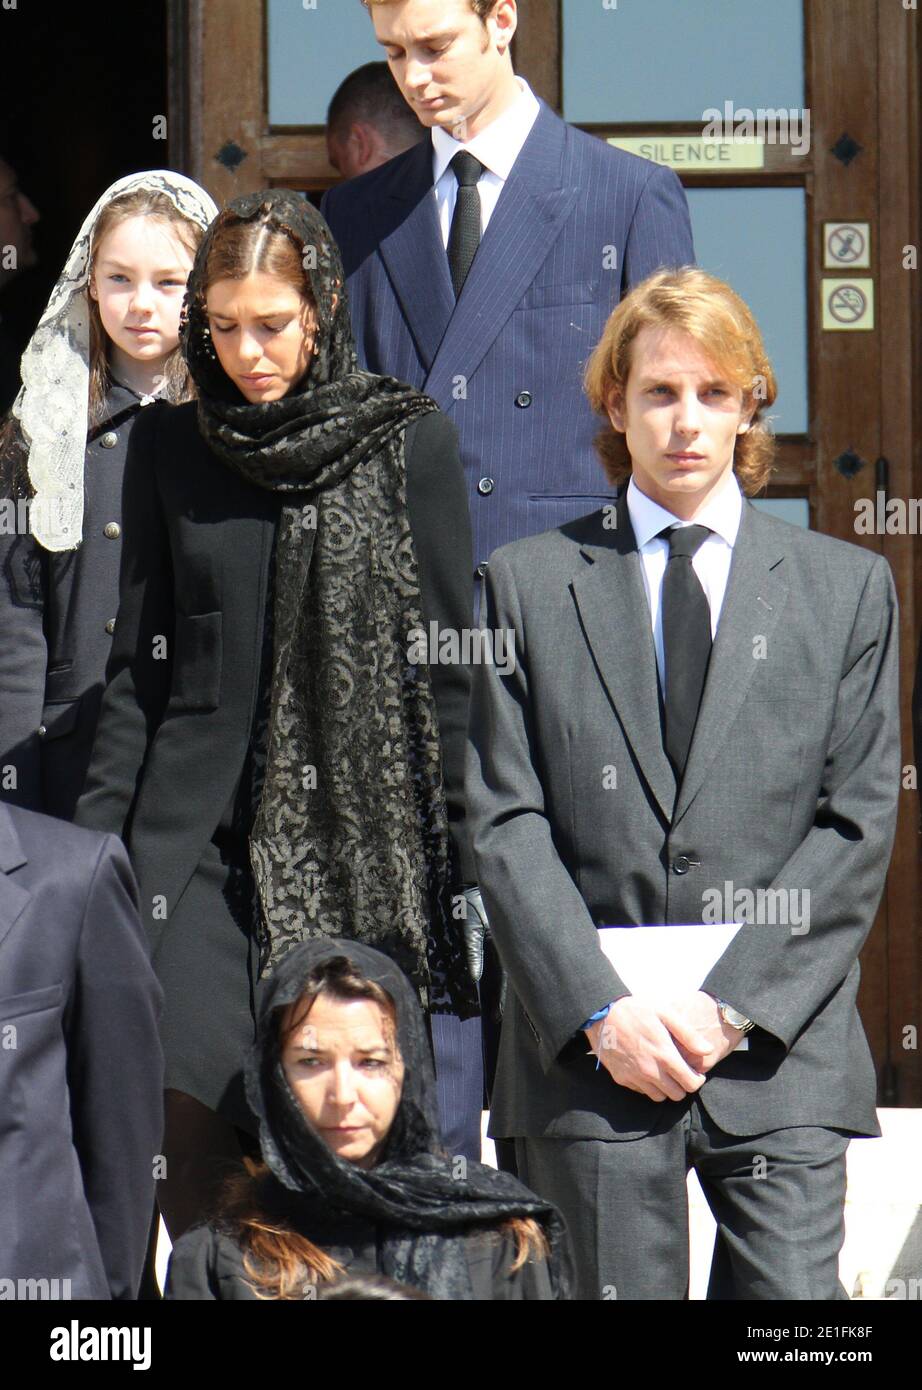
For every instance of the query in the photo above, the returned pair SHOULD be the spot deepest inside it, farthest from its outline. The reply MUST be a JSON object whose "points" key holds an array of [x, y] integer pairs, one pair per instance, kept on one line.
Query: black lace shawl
{"points": [[351, 835], [421, 1200]]}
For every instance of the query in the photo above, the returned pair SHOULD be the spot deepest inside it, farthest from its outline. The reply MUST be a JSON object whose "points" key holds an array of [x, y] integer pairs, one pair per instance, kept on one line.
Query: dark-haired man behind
{"points": [[368, 121]]}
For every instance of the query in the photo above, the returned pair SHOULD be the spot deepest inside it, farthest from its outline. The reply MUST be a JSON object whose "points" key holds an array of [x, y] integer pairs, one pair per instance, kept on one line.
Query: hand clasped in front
{"points": [[662, 1050]]}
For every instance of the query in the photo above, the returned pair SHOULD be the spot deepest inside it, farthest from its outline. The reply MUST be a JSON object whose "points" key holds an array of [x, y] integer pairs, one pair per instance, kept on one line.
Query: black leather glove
{"points": [[476, 928]]}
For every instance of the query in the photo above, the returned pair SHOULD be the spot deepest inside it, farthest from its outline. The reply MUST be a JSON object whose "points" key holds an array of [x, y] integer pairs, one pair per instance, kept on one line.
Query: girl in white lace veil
{"points": [[105, 345], [64, 367]]}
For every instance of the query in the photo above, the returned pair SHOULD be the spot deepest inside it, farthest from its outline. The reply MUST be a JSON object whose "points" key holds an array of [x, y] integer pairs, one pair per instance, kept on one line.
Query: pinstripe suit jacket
{"points": [[577, 223]]}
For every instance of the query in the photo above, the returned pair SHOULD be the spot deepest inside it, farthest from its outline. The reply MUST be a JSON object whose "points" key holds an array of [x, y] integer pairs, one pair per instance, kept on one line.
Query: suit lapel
{"points": [[532, 208], [415, 257], [615, 617], [755, 597], [13, 897]]}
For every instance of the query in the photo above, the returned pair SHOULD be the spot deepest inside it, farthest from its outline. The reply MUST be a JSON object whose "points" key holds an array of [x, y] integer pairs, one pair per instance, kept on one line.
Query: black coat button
{"points": [[109, 439], [110, 626], [523, 400], [112, 530], [42, 730], [681, 864], [481, 569], [485, 486]]}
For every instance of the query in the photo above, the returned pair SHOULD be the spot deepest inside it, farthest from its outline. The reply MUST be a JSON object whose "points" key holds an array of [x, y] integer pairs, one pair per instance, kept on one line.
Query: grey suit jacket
{"points": [[791, 783]]}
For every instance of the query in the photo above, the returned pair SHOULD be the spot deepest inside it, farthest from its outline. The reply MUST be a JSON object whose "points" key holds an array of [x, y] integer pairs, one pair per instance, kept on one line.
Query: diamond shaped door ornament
{"points": [[231, 155], [846, 149], [850, 463]]}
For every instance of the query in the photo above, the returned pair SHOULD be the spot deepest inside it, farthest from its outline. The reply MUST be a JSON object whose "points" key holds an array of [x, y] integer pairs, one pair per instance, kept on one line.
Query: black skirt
{"points": [[206, 961]]}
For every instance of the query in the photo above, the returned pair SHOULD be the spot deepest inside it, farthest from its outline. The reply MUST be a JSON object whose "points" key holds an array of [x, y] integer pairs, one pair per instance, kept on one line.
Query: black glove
{"points": [[476, 928]]}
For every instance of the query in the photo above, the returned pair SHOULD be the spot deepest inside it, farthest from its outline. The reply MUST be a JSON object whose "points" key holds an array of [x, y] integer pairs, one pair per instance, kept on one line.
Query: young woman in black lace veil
{"points": [[280, 768], [353, 1180]]}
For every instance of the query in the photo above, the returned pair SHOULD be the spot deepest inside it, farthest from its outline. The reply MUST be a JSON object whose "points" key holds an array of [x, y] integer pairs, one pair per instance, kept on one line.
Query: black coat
{"points": [[183, 678], [81, 1111], [57, 616], [207, 1264]]}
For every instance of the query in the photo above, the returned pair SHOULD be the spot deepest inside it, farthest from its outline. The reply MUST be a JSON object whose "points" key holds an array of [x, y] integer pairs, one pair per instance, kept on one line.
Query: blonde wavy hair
{"points": [[688, 301]]}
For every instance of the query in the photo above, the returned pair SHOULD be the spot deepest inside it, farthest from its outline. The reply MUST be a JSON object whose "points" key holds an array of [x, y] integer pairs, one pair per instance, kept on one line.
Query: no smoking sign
{"points": [[847, 244], [848, 305]]}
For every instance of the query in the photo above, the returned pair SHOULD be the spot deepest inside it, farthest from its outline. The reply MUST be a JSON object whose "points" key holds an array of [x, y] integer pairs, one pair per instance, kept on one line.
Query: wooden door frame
{"points": [[887, 192], [213, 122]]}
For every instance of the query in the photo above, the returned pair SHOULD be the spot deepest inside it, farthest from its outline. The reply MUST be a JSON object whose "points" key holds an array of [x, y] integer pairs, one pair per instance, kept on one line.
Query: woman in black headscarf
{"points": [[353, 1180], [281, 762]]}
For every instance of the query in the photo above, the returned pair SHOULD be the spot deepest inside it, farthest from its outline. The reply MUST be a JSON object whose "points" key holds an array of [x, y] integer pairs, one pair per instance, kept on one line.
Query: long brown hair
{"points": [[279, 1262], [143, 202], [239, 248]]}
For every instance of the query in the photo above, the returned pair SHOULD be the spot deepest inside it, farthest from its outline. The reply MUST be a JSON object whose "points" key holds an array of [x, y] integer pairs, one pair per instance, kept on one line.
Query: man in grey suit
{"points": [[701, 726]]}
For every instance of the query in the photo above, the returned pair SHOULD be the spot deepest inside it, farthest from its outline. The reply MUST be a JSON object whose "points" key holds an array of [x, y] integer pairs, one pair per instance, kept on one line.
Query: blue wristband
{"points": [[595, 1018]]}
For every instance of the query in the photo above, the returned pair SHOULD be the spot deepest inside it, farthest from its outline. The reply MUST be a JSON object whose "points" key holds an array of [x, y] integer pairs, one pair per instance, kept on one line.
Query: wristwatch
{"points": [[734, 1017]]}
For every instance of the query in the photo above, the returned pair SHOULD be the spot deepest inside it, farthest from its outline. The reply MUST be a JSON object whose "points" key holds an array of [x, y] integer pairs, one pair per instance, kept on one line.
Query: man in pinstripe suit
{"points": [[482, 268]]}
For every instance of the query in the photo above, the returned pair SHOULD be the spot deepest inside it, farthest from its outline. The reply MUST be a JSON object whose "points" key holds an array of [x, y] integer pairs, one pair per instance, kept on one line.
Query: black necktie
{"points": [[464, 237], [686, 640]]}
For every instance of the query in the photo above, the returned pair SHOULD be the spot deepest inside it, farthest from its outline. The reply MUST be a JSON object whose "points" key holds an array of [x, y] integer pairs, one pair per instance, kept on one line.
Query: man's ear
{"points": [[614, 405]]}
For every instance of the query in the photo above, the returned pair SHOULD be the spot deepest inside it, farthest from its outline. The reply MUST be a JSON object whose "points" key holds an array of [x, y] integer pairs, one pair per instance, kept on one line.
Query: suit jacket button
{"points": [[110, 626], [523, 400], [112, 530], [485, 486], [109, 439], [481, 569], [42, 730], [681, 865]]}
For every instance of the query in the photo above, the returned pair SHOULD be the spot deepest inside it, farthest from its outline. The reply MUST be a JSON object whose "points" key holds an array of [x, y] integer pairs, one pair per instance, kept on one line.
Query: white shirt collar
{"points": [[498, 145], [722, 513]]}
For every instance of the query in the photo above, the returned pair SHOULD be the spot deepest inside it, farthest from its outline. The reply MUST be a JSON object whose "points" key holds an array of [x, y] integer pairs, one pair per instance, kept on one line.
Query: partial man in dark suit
{"points": [[18, 215], [368, 121], [481, 268], [81, 1070], [701, 727]]}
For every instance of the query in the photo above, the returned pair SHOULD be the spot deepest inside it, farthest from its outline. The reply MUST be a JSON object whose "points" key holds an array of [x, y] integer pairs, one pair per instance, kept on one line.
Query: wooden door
{"points": [[860, 432]]}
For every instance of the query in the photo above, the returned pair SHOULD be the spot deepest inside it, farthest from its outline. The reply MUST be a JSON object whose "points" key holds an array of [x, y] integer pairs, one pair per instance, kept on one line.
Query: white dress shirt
{"points": [[711, 561], [497, 147]]}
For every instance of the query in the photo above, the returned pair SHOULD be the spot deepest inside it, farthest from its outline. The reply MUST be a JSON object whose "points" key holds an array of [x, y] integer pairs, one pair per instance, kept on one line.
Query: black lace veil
{"points": [[421, 1199], [351, 835]]}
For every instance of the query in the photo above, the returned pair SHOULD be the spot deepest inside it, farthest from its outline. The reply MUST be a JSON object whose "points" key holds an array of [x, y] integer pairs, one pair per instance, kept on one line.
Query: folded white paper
{"points": [[657, 963]]}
